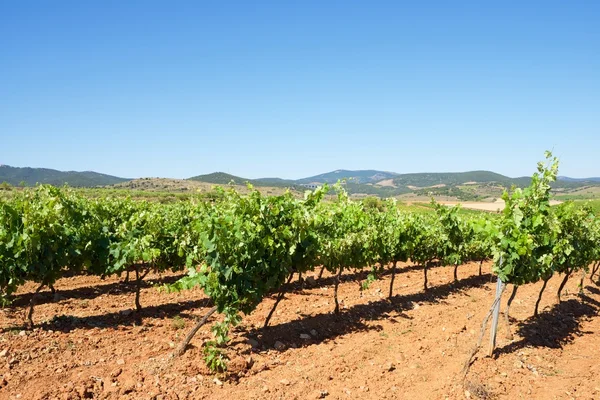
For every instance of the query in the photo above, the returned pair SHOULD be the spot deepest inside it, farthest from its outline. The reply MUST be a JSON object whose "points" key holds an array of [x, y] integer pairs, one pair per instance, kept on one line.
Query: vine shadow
{"points": [[91, 292], [358, 318], [113, 320], [556, 327]]}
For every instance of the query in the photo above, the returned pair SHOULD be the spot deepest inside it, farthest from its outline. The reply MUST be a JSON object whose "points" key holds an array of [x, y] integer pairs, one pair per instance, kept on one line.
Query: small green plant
{"points": [[215, 357], [177, 323]]}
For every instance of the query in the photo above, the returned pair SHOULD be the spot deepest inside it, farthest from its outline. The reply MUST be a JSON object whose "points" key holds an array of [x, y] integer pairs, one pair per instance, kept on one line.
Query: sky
{"points": [[297, 88]]}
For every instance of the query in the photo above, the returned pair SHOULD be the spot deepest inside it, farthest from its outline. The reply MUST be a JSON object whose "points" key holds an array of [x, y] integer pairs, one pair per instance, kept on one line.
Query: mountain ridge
{"points": [[376, 182], [32, 176]]}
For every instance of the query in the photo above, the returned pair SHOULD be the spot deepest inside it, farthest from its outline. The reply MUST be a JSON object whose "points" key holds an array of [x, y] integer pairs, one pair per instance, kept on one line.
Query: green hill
{"points": [[457, 178], [222, 178], [359, 177], [32, 176]]}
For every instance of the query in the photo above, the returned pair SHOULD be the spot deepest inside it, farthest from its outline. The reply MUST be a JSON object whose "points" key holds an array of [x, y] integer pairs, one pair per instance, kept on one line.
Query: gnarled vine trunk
{"points": [[31, 305], [335, 291], [394, 265], [279, 298], [537, 303], [321, 273], [195, 329], [563, 283], [506, 313]]}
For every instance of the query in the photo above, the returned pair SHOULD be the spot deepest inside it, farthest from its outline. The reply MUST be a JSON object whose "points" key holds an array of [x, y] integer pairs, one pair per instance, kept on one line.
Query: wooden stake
{"points": [[495, 315]]}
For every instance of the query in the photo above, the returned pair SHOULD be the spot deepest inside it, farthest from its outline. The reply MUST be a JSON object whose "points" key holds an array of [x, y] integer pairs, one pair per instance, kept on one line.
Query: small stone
{"points": [[22, 333], [279, 346], [467, 394], [314, 333], [218, 382], [390, 367], [304, 336], [3, 353], [253, 343], [120, 361], [322, 394], [116, 372], [128, 386], [127, 312], [265, 389], [284, 382]]}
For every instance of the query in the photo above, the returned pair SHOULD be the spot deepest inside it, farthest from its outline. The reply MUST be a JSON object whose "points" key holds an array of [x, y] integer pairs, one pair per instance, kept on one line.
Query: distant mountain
{"points": [[457, 178], [222, 178], [469, 185], [219, 178], [361, 176], [32, 176], [275, 182], [567, 179]]}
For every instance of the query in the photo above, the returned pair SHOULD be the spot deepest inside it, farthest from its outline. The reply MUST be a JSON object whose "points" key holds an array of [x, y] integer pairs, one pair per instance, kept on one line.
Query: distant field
{"points": [[590, 192]]}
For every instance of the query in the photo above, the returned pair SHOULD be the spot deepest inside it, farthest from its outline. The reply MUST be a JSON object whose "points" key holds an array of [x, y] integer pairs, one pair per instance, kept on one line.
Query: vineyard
{"points": [[239, 249]]}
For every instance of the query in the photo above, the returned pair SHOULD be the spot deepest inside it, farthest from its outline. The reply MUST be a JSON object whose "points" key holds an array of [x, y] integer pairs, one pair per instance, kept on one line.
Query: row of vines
{"points": [[241, 248]]}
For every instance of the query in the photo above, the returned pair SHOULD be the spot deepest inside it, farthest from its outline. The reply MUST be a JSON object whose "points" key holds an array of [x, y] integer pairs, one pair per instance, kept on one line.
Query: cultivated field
{"points": [[413, 347]]}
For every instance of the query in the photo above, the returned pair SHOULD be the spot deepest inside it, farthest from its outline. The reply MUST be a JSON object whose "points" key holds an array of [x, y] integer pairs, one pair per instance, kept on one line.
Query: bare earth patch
{"points": [[89, 345], [496, 206], [386, 182]]}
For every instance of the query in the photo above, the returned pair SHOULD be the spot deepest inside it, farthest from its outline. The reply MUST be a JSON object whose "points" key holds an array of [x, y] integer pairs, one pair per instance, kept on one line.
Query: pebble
{"points": [[284, 382], [218, 382], [116, 372], [304, 336], [279, 346], [120, 361], [3, 353], [22, 333], [314, 333]]}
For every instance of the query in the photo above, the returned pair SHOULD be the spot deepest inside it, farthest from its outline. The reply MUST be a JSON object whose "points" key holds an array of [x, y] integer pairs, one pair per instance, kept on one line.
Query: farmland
{"points": [[228, 294], [90, 343]]}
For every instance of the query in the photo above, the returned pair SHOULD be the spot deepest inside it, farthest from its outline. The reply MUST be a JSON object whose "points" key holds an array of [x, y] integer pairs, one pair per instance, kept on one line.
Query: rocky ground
{"points": [[89, 344]]}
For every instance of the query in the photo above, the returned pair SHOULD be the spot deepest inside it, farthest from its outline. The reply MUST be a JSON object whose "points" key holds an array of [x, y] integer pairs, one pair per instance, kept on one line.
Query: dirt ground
{"points": [[89, 345], [496, 206]]}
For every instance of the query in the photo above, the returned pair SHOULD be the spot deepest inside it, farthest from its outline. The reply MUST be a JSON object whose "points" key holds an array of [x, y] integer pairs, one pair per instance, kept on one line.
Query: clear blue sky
{"points": [[297, 88]]}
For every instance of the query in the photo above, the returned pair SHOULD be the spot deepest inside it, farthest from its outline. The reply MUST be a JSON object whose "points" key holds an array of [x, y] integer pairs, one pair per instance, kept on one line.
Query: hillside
{"points": [[361, 176], [457, 178], [582, 180], [32, 176], [219, 178], [222, 178], [465, 186]]}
